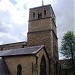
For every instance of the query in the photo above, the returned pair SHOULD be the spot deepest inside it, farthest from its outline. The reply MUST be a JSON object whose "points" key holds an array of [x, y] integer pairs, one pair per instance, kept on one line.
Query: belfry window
{"points": [[44, 12], [1, 48], [39, 15], [33, 14], [19, 70], [43, 66]]}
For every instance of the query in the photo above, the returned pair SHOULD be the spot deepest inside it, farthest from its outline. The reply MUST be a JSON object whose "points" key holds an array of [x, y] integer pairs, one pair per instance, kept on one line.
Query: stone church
{"points": [[37, 56]]}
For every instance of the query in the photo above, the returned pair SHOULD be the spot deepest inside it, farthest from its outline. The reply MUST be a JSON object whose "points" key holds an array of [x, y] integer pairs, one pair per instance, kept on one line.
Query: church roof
{"points": [[21, 51], [3, 68]]}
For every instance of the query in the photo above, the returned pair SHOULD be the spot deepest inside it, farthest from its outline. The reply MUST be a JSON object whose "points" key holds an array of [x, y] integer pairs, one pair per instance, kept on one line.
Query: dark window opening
{"points": [[56, 68], [23, 46], [39, 15], [44, 12], [1, 48], [43, 66], [36, 60], [19, 70], [33, 14]]}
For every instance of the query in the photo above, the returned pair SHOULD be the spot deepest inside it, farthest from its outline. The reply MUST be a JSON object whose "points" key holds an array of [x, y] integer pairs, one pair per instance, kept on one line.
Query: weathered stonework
{"points": [[26, 63], [42, 29], [33, 39]]}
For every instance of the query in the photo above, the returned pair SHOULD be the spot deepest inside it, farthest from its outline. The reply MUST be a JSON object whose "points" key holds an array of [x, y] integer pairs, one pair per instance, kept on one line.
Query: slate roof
{"points": [[3, 68], [21, 51]]}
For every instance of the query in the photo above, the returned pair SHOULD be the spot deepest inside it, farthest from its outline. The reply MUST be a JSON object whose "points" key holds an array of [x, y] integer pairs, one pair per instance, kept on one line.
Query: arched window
{"points": [[43, 66], [19, 70]]}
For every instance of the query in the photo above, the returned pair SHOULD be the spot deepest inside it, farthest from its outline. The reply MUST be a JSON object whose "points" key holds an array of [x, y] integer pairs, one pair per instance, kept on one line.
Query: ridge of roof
{"points": [[13, 43]]}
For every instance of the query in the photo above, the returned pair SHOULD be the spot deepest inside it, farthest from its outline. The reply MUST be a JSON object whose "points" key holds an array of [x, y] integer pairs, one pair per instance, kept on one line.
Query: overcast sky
{"points": [[14, 18]]}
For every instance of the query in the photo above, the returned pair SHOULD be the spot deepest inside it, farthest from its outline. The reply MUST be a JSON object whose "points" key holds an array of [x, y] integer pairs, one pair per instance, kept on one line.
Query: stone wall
{"points": [[26, 63], [39, 25], [40, 38]]}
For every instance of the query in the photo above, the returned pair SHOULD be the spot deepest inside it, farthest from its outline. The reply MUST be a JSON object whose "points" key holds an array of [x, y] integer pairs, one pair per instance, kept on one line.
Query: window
{"points": [[56, 68], [36, 60], [43, 66], [39, 15], [19, 70], [1, 48], [44, 12], [23, 46], [33, 14]]}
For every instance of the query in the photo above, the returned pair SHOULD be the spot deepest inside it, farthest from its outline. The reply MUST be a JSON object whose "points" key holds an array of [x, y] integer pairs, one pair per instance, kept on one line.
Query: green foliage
{"points": [[68, 44], [71, 73]]}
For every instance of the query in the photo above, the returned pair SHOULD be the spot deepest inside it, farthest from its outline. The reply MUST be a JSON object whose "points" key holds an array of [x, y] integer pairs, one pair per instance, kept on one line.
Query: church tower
{"points": [[42, 29]]}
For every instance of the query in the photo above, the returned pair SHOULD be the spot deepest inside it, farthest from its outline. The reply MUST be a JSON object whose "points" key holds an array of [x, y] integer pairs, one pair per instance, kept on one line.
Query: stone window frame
{"points": [[43, 66]]}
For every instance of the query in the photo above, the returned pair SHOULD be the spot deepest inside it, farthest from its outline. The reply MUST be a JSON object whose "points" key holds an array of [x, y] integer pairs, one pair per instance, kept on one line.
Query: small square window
{"points": [[39, 15], [33, 14]]}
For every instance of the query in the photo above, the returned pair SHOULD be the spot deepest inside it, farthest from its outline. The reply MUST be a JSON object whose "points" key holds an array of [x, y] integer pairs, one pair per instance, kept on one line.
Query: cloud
{"points": [[13, 1], [13, 22], [8, 36], [4, 27], [64, 10]]}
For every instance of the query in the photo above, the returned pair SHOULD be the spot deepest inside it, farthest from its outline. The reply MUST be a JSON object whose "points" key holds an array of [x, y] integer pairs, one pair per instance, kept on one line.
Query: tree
{"points": [[68, 46]]}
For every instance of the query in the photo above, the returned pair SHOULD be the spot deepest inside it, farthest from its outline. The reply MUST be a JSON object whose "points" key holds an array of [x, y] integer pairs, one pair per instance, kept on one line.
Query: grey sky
{"points": [[64, 11]]}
